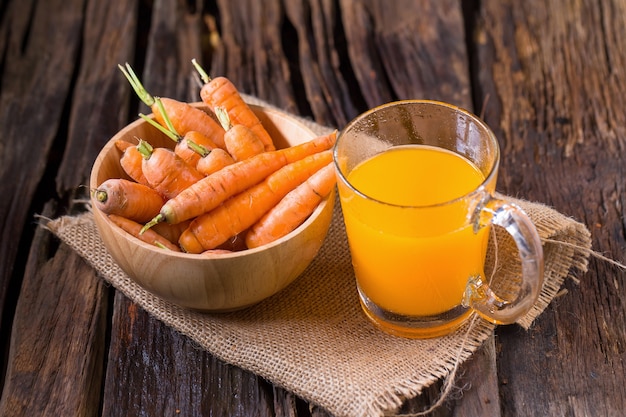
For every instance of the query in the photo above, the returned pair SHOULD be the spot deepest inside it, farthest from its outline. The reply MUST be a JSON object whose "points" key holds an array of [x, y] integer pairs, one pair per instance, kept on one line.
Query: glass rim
{"points": [[469, 195]]}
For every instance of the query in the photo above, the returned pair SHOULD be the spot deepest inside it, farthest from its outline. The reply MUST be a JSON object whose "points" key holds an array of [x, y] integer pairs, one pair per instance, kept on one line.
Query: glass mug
{"points": [[416, 181]]}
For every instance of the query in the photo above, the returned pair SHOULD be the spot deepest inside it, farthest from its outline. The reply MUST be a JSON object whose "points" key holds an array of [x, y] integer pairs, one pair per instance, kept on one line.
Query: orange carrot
{"points": [[214, 189], [293, 209], [238, 213], [165, 171], [187, 118], [222, 92], [184, 116], [150, 236], [122, 144], [318, 144], [215, 160], [128, 199], [241, 142], [193, 147], [131, 162], [190, 148]]}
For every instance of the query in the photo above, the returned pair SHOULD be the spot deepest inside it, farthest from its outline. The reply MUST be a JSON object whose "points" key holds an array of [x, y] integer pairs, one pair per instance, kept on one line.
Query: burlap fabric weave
{"points": [[313, 339]]}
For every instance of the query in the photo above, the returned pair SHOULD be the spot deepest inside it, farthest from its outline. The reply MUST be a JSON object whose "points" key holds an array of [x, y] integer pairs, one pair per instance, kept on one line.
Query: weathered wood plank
{"points": [[319, 61], [366, 63], [250, 52], [559, 115], [56, 356], [37, 68], [99, 106], [153, 370], [174, 40], [406, 49], [477, 383]]}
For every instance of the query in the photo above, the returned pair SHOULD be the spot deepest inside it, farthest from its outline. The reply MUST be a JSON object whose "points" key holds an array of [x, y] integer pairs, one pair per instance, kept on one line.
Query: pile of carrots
{"points": [[223, 186]]}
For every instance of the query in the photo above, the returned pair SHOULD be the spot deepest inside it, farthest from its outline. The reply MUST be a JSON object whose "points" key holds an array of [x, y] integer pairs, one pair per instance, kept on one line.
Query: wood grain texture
{"points": [[99, 106], [56, 356], [320, 61], [558, 113], [36, 82], [250, 51], [174, 38]]}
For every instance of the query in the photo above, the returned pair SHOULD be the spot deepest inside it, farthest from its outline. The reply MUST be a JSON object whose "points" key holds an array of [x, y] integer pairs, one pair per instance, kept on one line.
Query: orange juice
{"points": [[414, 253]]}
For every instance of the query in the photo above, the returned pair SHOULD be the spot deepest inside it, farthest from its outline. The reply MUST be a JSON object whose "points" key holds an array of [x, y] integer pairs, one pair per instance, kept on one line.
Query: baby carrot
{"points": [[131, 161], [318, 144], [128, 199], [241, 211], [165, 171], [184, 116], [240, 141], [222, 92], [293, 209], [151, 237], [213, 161], [214, 189], [191, 147], [122, 144]]}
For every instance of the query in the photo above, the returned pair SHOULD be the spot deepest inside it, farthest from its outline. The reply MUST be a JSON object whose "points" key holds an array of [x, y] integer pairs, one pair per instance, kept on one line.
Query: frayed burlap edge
{"points": [[566, 248]]}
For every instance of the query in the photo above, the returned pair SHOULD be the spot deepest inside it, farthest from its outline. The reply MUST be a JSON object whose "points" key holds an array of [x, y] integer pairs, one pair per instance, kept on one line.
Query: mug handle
{"points": [[516, 222]]}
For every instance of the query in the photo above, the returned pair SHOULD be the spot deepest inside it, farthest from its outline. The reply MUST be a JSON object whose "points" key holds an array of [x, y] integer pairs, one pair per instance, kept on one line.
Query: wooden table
{"points": [[548, 76]]}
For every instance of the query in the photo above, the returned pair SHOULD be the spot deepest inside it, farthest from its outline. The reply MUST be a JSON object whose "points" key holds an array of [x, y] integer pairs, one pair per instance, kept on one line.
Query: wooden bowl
{"points": [[220, 282]]}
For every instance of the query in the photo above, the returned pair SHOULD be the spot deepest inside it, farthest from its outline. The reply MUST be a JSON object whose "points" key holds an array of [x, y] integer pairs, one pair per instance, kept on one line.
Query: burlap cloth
{"points": [[313, 339]]}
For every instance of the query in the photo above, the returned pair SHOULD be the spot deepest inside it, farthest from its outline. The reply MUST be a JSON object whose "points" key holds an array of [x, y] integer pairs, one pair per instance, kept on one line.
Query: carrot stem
{"points": [[133, 79], [152, 237], [100, 195], [166, 118], [145, 149], [205, 77], [199, 149], [170, 130], [160, 245], [222, 116], [159, 218], [170, 134]]}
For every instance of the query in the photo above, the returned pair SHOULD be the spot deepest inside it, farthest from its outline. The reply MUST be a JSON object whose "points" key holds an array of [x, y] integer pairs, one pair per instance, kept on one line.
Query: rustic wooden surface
{"points": [[548, 76]]}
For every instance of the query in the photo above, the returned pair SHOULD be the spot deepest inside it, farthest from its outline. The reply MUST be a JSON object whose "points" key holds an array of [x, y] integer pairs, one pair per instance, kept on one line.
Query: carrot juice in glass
{"points": [[416, 182]]}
